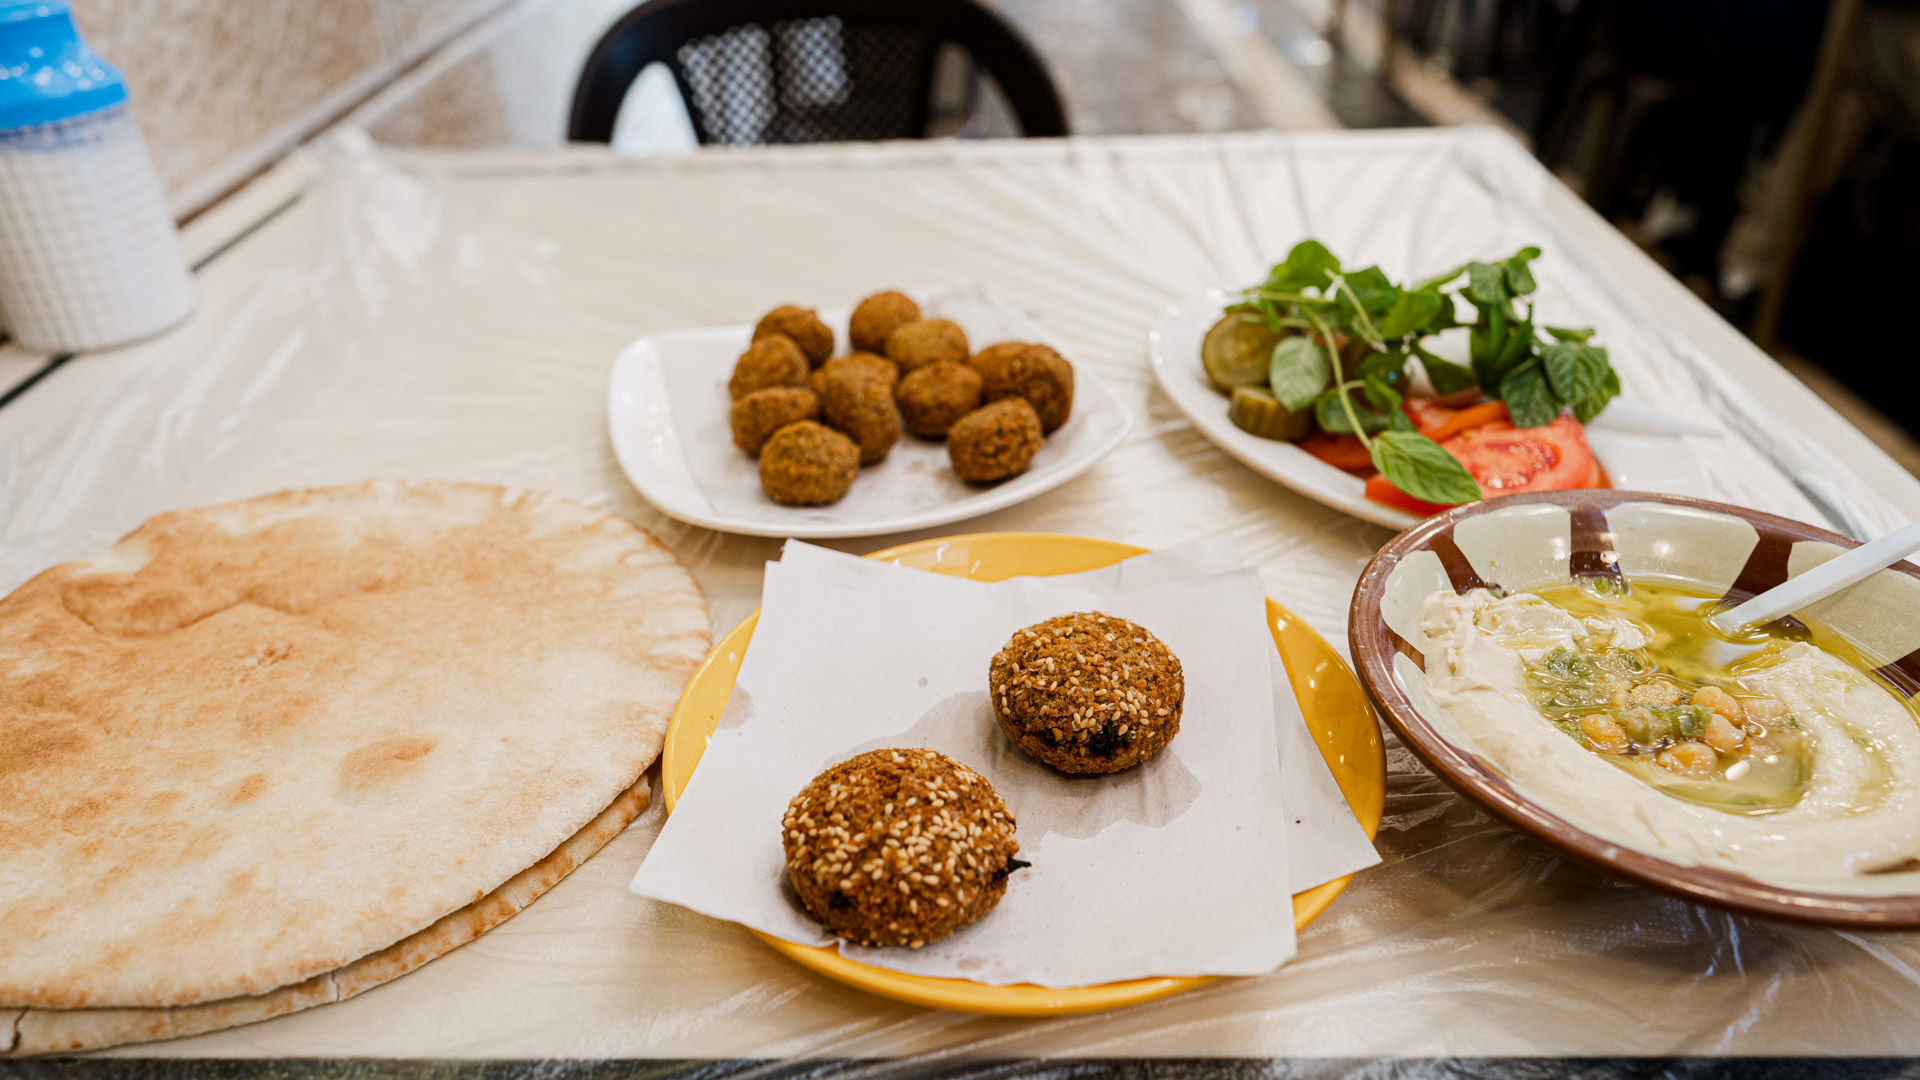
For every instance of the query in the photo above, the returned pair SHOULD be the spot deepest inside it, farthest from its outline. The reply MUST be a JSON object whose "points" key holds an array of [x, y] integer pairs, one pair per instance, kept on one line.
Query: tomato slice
{"points": [[1428, 415], [1505, 459], [1339, 451], [1380, 491], [1440, 422], [1436, 422], [1473, 416]]}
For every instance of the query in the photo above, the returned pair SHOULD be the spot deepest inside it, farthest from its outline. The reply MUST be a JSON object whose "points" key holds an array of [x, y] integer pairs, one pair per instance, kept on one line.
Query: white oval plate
{"points": [[667, 414], [1641, 450]]}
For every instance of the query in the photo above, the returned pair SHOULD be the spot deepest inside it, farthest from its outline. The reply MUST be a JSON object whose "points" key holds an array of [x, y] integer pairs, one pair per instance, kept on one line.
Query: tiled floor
{"points": [[1132, 66]]}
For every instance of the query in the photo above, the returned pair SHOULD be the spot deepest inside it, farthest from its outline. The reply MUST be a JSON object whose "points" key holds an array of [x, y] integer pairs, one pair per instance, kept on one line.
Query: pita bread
{"points": [[55, 1031], [253, 743]]}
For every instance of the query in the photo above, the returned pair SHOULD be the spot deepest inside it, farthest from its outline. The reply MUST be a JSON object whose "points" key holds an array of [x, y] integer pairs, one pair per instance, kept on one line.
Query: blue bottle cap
{"points": [[47, 72]]}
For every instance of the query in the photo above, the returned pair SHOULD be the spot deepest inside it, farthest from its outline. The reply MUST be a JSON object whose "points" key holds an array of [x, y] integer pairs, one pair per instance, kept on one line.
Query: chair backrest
{"points": [[787, 71]]}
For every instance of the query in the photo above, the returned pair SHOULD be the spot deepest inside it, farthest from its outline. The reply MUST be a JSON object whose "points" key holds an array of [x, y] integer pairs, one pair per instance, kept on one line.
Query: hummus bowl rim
{"points": [[1373, 646]]}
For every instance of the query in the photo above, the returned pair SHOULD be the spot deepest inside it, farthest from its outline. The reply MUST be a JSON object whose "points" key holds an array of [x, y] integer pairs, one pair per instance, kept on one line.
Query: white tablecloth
{"points": [[455, 315]]}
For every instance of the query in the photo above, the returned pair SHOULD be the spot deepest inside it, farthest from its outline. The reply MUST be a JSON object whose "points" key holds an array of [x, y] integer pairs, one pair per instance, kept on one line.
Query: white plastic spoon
{"points": [[1822, 581]]}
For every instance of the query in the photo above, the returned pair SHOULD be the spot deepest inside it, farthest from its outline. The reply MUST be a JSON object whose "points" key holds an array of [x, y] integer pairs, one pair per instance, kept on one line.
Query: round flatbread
{"points": [[65, 1031], [253, 743]]}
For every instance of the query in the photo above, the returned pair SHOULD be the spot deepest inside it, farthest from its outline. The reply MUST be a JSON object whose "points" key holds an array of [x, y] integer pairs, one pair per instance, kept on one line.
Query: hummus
{"points": [[1858, 804]]}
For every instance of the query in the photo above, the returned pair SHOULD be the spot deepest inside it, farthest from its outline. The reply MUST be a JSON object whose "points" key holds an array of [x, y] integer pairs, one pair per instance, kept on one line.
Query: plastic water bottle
{"points": [[88, 253]]}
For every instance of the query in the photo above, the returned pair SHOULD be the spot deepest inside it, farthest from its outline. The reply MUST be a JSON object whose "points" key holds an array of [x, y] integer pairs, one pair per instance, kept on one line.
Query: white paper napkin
{"points": [[1178, 867]]}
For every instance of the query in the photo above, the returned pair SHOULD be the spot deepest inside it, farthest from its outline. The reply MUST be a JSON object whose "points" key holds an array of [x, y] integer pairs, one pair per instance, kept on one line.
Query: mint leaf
{"points": [[1419, 467], [1433, 284], [1574, 370], [1411, 311], [1308, 265], [1530, 401], [1519, 274], [1487, 284], [1381, 396], [1376, 293], [1589, 407], [1298, 371], [1499, 347], [1446, 376], [1387, 366], [1332, 416], [1562, 333]]}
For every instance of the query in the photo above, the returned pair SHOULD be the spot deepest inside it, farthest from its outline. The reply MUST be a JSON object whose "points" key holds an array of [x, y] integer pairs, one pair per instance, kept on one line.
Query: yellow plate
{"points": [[1335, 705]]}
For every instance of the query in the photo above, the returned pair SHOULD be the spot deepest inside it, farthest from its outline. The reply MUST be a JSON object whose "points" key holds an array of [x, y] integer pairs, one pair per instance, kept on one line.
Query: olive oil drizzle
{"points": [[1768, 773]]}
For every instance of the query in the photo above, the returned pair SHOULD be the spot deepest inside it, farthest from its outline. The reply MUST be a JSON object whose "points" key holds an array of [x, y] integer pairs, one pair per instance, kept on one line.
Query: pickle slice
{"points": [[1236, 352], [1255, 411]]}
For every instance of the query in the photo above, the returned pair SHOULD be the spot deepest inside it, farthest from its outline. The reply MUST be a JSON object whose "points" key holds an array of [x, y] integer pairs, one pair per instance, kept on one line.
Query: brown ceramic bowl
{"points": [[1525, 541]]}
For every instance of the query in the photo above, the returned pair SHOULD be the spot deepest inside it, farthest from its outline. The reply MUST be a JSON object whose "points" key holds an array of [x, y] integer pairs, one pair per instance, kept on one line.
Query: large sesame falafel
{"points": [[756, 416], [803, 326], [808, 464], [773, 360], [931, 398], [862, 407], [924, 341], [898, 847], [1034, 372], [876, 316], [859, 363], [994, 442], [1087, 692]]}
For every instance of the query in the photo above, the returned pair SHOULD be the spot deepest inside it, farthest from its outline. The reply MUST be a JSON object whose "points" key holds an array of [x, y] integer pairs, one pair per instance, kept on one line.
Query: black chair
{"points": [[795, 71]]}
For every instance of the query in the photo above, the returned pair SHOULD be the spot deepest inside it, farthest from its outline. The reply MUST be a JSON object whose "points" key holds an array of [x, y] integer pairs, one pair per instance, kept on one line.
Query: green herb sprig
{"points": [[1352, 336], [1538, 379]]}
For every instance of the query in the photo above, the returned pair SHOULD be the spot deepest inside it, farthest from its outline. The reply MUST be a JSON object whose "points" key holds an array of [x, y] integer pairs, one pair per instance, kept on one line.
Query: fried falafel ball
{"points": [[875, 318], [758, 415], [1034, 372], [899, 847], [858, 363], [862, 407], [994, 441], [773, 360], [808, 464], [933, 397], [1087, 692], [803, 326], [924, 341]]}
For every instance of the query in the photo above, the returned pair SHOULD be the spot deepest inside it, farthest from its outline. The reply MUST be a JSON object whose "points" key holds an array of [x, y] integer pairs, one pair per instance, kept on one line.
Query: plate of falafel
{"points": [[958, 826], [896, 413]]}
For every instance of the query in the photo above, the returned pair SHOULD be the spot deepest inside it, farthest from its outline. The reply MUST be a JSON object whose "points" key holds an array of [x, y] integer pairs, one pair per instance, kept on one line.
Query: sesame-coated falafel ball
{"points": [[898, 847], [862, 407], [1087, 692], [933, 397], [758, 415], [994, 441], [859, 363], [773, 360], [803, 326], [875, 318], [1034, 372], [924, 341], [808, 464]]}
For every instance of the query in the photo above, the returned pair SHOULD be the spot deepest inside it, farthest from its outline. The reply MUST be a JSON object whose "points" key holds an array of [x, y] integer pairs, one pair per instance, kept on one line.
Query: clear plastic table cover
{"points": [[456, 316]]}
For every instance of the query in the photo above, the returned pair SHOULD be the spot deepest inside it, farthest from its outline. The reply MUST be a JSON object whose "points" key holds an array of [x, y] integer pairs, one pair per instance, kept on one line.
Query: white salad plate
{"points": [[1641, 450], [667, 409]]}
